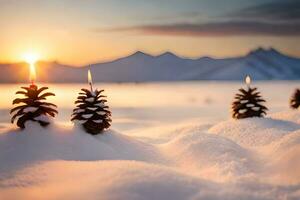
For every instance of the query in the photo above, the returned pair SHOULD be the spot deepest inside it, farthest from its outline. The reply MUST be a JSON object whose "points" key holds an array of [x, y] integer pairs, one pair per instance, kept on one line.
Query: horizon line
{"points": [[151, 55]]}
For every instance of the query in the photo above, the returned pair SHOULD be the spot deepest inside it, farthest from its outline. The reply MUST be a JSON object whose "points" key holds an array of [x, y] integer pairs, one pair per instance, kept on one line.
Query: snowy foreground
{"points": [[245, 159], [168, 141]]}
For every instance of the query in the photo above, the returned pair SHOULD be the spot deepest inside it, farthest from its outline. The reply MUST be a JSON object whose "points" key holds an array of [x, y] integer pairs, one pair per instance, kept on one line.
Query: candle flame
{"points": [[90, 79], [32, 73], [31, 59], [248, 80]]}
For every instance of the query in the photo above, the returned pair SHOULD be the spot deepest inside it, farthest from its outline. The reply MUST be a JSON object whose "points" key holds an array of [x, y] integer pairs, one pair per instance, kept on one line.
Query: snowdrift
{"points": [[58, 142], [254, 131], [291, 115], [276, 143], [284, 163], [208, 155], [236, 159], [128, 180]]}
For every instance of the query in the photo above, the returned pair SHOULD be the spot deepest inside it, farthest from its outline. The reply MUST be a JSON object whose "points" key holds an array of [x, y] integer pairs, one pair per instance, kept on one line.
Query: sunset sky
{"points": [[78, 32]]}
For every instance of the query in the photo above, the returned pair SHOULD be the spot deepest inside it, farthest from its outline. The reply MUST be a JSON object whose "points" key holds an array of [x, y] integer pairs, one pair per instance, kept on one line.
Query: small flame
{"points": [[31, 59], [248, 80], [32, 73], [90, 79]]}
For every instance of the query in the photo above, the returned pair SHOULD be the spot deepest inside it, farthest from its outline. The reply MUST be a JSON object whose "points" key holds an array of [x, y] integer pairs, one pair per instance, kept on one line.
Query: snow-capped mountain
{"points": [[261, 64]]}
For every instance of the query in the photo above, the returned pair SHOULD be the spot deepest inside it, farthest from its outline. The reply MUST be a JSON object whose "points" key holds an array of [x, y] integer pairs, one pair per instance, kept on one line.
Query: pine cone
{"points": [[92, 112], [32, 108], [295, 99], [248, 103]]}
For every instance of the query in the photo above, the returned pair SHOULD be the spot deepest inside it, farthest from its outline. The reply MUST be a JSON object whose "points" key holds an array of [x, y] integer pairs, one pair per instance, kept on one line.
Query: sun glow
{"points": [[31, 58]]}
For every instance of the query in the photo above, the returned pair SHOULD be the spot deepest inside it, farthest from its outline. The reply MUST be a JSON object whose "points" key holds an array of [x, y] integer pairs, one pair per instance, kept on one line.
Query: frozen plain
{"points": [[168, 141]]}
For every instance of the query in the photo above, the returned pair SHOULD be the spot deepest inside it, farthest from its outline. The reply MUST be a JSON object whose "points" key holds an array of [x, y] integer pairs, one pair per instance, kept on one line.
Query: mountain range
{"points": [[260, 64]]}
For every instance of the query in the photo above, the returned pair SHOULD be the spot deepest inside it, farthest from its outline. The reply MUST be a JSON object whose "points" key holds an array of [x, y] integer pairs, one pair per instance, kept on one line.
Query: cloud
{"points": [[277, 18], [230, 28], [287, 10]]}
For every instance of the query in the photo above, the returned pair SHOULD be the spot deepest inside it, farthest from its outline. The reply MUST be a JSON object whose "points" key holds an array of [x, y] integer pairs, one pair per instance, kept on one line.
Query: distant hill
{"points": [[261, 64]]}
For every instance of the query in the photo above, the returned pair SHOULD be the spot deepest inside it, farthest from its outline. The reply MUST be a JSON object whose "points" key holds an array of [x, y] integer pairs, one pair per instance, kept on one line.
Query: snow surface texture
{"points": [[235, 159]]}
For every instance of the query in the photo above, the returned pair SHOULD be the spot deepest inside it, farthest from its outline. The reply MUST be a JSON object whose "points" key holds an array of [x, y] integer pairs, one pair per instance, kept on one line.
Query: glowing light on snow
{"points": [[248, 80]]}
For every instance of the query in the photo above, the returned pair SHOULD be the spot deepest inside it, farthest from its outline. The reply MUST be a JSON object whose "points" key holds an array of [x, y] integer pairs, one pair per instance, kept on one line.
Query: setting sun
{"points": [[31, 58]]}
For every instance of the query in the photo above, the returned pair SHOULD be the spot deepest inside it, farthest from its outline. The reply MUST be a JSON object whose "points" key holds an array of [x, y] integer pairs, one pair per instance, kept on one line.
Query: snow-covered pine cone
{"points": [[295, 99], [248, 103], [32, 108], [91, 111]]}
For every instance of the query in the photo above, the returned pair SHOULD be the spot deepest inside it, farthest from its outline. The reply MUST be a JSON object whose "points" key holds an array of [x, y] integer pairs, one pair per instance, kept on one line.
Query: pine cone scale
{"points": [[32, 107], [91, 111], [247, 104], [295, 100]]}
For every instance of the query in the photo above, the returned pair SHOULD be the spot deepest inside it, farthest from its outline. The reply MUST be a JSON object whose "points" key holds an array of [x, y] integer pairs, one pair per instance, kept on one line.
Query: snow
{"points": [[169, 67], [30, 109], [98, 121], [79, 110], [43, 118], [49, 106], [100, 105], [291, 115], [261, 64], [92, 108], [242, 111], [91, 99], [209, 155], [194, 162], [244, 101], [87, 116], [254, 131], [255, 108], [101, 113], [80, 121], [159, 149], [61, 142]]}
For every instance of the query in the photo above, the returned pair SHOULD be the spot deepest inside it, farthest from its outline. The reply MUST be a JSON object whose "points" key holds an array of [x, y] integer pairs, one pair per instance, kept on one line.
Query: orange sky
{"points": [[76, 32]]}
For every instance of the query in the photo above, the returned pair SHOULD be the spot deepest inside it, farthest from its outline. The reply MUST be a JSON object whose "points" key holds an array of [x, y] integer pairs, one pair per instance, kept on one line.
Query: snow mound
{"points": [[210, 155], [58, 142], [166, 133], [283, 159], [291, 115], [128, 180], [287, 142], [254, 131]]}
